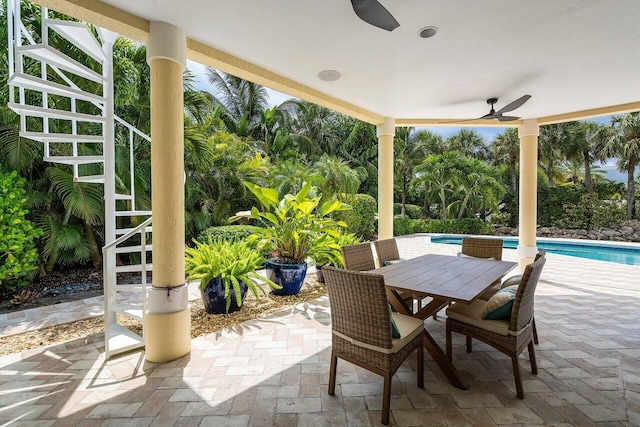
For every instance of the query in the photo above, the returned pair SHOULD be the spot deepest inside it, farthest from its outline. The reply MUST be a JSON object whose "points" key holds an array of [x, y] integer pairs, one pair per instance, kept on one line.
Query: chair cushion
{"points": [[500, 304], [461, 255], [511, 281], [409, 327], [471, 314]]}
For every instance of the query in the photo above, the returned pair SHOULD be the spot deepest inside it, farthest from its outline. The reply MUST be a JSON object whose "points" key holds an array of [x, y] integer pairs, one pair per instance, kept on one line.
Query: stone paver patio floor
{"points": [[274, 370]]}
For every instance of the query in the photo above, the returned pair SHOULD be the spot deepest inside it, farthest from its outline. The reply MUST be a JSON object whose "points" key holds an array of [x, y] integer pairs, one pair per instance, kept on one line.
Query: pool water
{"points": [[600, 251]]}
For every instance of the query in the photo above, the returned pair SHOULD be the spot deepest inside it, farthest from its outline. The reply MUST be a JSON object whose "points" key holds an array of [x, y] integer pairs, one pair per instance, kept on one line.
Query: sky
{"points": [[277, 98]]}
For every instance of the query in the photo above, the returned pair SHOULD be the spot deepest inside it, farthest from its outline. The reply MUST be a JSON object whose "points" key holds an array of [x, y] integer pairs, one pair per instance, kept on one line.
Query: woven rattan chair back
{"points": [[482, 247], [358, 257], [387, 250], [361, 329], [359, 306], [522, 311]]}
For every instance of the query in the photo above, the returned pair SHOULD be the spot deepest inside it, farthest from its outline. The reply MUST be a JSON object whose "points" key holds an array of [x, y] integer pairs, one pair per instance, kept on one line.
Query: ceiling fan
{"points": [[374, 13], [493, 114]]}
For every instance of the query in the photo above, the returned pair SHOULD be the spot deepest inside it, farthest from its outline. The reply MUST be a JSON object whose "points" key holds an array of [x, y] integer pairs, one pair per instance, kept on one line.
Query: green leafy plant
{"points": [[18, 253], [291, 225], [326, 248], [230, 261]]}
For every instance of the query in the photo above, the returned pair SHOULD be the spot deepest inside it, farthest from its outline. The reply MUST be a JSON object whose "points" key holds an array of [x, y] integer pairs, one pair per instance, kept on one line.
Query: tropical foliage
{"points": [[18, 254], [291, 225], [233, 134]]}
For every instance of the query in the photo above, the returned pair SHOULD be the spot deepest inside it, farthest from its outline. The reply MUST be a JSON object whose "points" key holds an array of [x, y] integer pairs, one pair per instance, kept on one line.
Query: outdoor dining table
{"points": [[444, 278]]}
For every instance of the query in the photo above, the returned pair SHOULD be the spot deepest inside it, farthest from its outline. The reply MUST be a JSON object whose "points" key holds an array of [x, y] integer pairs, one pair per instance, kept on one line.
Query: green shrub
{"points": [[227, 232], [402, 226], [591, 212], [360, 219], [411, 211], [18, 253]]}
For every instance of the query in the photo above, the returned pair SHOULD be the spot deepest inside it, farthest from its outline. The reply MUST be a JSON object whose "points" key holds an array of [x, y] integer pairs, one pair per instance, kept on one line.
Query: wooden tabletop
{"points": [[443, 276]]}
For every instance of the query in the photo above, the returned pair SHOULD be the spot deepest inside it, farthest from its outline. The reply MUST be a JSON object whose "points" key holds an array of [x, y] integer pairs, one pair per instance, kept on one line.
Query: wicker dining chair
{"points": [[510, 336], [515, 280], [480, 247], [387, 251], [358, 257], [361, 329]]}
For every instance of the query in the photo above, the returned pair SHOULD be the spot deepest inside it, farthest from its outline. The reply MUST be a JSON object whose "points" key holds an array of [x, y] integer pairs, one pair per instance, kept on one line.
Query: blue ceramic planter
{"points": [[289, 276], [213, 297]]}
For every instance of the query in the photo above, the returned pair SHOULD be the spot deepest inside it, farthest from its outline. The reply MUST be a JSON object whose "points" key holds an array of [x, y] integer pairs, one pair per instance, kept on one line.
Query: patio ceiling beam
{"points": [[136, 28], [456, 123], [589, 114]]}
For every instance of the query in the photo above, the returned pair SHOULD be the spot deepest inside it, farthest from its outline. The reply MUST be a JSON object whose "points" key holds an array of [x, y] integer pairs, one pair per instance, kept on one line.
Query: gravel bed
{"points": [[201, 322]]}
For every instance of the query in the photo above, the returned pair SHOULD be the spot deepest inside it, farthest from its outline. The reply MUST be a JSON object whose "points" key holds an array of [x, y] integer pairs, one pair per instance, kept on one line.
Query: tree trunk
{"points": [[550, 172], [96, 253], [404, 192], [514, 178], [631, 190], [587, 170]]}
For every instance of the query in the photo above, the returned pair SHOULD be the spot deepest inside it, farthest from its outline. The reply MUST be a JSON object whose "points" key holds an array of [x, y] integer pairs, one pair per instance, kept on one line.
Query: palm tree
{"points": [[505, 149], [244, 102], [432, 142], [313, 127], [409, 153], [479, 187], [574, 171], [592, 149], [337, 177], [552, 144], [623, 142], [438, 176], [469, 143]]}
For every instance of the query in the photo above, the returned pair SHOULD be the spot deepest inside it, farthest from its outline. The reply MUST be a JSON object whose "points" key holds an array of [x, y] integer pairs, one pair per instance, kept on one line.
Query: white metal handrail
{"points": [[128, 234]]}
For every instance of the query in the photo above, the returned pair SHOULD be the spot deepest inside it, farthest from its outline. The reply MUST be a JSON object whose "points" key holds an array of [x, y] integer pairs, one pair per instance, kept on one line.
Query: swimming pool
{"points": [[603, 251]]}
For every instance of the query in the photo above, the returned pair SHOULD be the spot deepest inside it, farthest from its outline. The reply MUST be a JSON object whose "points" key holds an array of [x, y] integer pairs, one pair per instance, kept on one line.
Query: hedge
{"points": [[361, 219], [403, 226]]}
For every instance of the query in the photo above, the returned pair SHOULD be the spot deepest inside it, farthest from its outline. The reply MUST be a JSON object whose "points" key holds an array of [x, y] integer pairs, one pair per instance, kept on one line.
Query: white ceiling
{"points": [[570, 55]]}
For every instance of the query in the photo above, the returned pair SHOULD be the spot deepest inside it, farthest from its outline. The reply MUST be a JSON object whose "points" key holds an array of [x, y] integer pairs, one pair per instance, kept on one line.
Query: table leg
{"points": [[434, 349], [398, 303], [443, 361]]}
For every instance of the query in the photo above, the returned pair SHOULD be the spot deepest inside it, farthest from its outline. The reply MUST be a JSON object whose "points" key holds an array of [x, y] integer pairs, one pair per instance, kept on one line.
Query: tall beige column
{"points": [[386, 131], [168, 318], [528, 204]]}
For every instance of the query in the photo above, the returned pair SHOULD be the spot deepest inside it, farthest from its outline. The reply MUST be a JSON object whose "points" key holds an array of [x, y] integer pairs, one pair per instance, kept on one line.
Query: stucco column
{"points": [[528, 203], [386, 131], [168, 318]]}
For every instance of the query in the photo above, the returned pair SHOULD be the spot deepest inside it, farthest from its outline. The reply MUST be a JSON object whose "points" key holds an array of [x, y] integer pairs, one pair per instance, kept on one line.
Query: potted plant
{"points": [[226, 269], [326, 251], [290, 226]]}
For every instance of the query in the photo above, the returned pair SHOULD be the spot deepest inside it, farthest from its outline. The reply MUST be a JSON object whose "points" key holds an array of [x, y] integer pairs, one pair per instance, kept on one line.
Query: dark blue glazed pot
{"points": [[213, 297], [289, 276]]}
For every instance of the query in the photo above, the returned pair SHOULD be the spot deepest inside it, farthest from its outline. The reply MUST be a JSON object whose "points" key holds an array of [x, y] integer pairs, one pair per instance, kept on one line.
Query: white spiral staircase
{"points": [[59, 80]]}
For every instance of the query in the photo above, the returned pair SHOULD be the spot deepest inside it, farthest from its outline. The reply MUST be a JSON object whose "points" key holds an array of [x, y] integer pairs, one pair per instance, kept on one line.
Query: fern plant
{"points": [[230, 261]]}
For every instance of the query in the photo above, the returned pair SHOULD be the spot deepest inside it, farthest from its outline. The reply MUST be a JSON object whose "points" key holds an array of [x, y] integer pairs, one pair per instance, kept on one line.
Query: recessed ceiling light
{"points": [[428, 32], [329, 75]]}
